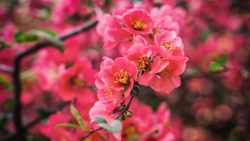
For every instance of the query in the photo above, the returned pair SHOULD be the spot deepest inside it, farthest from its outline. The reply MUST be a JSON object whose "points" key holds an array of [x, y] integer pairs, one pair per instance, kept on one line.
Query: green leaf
{"points": [[67, 125], [122, 117], [76, 115], [114, 127], [99, 119], [9, 104], [49, 32], [5, 82], [4, 45], [142, 135], [218, 63], [23, 37], [205, 34], [51, 37]]}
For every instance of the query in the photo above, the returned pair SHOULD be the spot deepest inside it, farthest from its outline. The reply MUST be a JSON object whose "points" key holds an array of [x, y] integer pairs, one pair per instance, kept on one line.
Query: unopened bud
{"points": [[122, 117], [135, 90], [128, 114], [120, 108]]}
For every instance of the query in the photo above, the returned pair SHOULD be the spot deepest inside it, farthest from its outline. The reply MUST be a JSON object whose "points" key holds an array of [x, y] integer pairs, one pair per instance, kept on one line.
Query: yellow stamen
{"points": [[87, 139], [129, 38], [165, 71], [63, 139], [75, 81], [138, 25], [154, 32], [166, 45], [129, 132], [122, 77], [142, 63]]}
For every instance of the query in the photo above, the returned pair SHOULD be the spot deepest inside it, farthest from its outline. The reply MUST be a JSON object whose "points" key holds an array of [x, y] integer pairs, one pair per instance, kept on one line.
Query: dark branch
{"points": [[5, 68], [86, 26], [17, 112], [121, 113], [40, 118], [13, 137]]}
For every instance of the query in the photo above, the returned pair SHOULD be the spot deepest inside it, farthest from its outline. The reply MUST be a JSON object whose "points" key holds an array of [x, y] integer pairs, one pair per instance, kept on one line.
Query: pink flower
{"points": [[112, 32], [166, 67], [100, 110], [126, 50], [137, 20], [59, 134], [166, 79], [75, 82], [169, 45], [139, 123], [167, 18], [118, 75]]}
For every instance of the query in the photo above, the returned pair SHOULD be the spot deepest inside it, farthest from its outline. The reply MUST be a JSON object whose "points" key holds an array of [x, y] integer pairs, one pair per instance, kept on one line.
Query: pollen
{"points": [[129, 38], [165, 71], [142, 63], [138, 25], [129, 132], [108, 94], [122, 77], [166, 45], [63, 139], [88, 139], [75, 81]]}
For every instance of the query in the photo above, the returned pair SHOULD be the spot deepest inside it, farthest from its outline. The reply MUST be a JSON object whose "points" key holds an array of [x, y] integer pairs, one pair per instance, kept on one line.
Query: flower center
{"points": [[75, 81], [122, 77], [63, 139], [154, 32], [165, 71], [129, 132], [129, 38], [87, 139], [166, 45], [138, 25], [142, 63]]}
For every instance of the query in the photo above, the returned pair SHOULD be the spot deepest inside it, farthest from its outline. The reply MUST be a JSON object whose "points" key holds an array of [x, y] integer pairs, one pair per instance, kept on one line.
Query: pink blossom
{"points": [[59, 133], [166, 67], [138, 21], [168, 18], [101, 110], [119, 75], [112, 32], [75, 82]]}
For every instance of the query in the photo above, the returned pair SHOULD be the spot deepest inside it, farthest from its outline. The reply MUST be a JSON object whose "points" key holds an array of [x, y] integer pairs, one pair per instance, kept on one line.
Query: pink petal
{"points": [[145, 78], [176, 42]]}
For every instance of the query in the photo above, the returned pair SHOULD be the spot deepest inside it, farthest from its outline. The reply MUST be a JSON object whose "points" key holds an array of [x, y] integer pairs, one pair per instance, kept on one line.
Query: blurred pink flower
{"points": [[76, 81]]}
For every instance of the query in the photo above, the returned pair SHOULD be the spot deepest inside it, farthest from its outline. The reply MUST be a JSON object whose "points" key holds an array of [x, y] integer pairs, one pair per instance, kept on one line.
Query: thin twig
{"points": [[17, 112], [6, 69], [121, 113]]}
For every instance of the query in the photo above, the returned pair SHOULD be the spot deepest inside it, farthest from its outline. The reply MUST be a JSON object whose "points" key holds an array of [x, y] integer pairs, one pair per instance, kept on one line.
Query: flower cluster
{"points": [[123, 25], [151, 56]]}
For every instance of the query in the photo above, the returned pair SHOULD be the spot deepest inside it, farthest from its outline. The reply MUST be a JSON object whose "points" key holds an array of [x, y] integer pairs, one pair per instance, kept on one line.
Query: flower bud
{"points": [[128, 114], [135, 90]]}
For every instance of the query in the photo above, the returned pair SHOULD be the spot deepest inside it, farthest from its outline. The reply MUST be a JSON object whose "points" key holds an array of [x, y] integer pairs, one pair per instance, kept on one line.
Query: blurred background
{"points": [[213, 101]]}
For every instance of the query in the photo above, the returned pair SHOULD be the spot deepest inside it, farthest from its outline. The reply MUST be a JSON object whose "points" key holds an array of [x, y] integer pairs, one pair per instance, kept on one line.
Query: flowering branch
{"points": [[13, 137], [17, 112], [121, 113]]}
